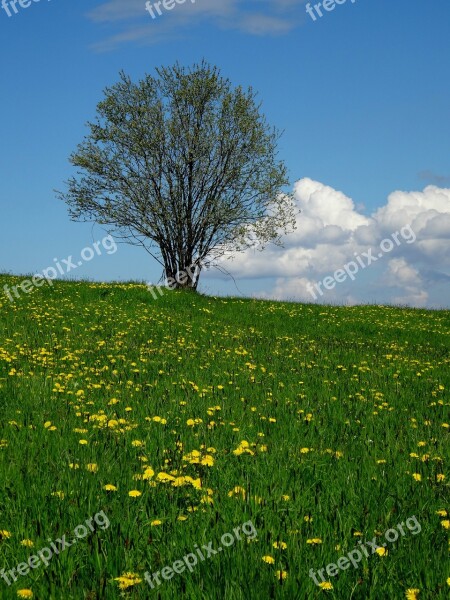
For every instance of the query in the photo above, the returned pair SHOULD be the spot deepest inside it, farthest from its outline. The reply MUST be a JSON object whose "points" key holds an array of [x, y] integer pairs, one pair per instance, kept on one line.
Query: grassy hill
{"points": [[144, 430]]}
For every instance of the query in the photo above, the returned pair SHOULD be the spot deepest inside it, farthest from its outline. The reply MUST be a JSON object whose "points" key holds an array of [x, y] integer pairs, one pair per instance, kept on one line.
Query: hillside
{"points": [[178, 420]]}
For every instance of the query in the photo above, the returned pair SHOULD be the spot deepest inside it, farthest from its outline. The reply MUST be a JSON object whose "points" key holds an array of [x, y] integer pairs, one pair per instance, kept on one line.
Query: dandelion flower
{"points": [[128, 580], [134, 493], [326, 585], [281, 575], [280, 545]]}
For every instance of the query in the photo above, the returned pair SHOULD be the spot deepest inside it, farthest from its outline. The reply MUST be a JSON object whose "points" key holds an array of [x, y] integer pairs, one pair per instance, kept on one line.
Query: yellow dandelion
{"points": [[326, 585], [109, 487], [27, 543], [280, 545], [314, 541], [128, 580], [155, 523], [381, 551], [412, 594], [83, 442], [417, 476], [148, 473], [268, 559], [92, 467], [445, 524], [4, 535], [281, 575], [134, 493], [25, 593]]}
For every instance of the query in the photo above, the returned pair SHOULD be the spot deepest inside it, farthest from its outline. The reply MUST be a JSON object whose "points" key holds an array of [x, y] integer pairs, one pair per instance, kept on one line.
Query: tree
{"points": [[184, 165]]}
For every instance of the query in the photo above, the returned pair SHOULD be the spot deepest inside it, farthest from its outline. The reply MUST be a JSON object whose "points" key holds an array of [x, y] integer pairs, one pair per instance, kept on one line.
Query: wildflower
{"points": [[134, 493], [237, 490], [148, 473], [128, 580], [326, 585], [381, 551], [92, 467], [25, 593], [445, 524], [27, 543], [155, 523], [281, 575], [417, 476], [314, 541], [280, 545], [109, 487], [268, 559], [4, 535], [412, 594]]}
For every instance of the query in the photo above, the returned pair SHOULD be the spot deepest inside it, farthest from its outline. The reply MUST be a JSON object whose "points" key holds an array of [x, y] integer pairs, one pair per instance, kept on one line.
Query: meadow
{"points": [[184, 417]]}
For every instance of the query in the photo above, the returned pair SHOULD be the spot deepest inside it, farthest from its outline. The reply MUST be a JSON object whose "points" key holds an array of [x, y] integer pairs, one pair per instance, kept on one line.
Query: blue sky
{"points": [[362, 95]]}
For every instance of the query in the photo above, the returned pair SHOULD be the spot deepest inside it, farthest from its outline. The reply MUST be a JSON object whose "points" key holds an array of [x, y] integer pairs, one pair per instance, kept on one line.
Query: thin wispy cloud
{"points": [[127, 21]]}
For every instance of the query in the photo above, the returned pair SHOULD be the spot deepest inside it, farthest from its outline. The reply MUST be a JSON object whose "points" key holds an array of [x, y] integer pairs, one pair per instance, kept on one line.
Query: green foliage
{"points": [[321, 395]]}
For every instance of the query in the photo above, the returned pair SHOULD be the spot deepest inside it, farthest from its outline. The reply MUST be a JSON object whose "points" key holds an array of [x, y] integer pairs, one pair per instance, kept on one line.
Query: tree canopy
{"points": [[183, 164]]}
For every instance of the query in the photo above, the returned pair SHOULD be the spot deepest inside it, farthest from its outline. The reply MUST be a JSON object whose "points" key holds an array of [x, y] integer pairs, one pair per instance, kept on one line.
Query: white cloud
{"points": [[331, 232], [132, 23]]}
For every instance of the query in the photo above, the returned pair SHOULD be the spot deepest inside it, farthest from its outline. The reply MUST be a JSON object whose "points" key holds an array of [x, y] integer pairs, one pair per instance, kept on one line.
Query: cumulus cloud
{"points": [[129, 22], [412, 265]]}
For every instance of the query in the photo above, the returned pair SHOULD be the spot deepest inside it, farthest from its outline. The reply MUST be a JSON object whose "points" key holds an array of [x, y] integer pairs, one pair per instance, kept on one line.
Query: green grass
{"points": [[352, 385]]}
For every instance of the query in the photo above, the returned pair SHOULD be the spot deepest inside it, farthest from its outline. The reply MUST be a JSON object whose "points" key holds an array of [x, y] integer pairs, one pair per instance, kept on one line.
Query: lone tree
{"points": [[184, 165]]}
